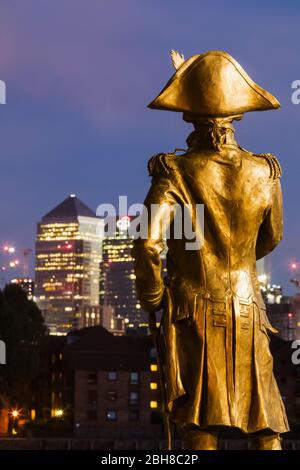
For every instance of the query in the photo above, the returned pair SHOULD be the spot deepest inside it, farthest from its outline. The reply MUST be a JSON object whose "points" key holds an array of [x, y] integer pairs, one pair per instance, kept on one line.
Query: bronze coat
{"points": [[219, 369]]}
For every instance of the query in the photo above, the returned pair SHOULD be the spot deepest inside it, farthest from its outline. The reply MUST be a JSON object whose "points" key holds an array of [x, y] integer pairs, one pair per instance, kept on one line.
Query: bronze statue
{"points": [[218, 369]]}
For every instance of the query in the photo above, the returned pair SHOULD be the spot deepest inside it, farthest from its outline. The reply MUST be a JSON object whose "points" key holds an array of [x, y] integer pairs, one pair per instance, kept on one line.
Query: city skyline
{"points": [[76, 111]]}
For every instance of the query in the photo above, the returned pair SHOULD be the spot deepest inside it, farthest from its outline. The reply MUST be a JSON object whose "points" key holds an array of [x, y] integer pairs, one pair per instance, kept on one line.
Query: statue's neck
{"points": [[211, 134]]}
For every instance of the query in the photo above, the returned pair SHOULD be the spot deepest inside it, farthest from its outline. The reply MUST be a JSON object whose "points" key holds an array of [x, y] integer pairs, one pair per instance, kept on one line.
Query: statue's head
{"points": [[212, 90]]}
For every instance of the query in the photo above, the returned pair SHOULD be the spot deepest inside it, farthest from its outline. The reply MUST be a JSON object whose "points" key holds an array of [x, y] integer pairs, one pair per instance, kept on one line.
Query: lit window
{"points": [[153, 404], [153, 386], [112, 376], [134, 377], [111, 415], [153, 354], [153, 367], [133, 398]]}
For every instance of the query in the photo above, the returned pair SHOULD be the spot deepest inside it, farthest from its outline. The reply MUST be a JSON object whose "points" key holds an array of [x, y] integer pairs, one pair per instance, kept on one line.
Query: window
{"points": [[91, 415], [133, 398], [112, 395], [112, 376], [92, 378], [134, 377], [153, 385], [153, 404], [153, 353], [92, 397], [153, 367], [134, 415], [111, 415]]}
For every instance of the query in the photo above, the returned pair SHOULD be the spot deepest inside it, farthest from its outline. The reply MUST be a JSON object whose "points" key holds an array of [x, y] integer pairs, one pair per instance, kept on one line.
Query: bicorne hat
{"points": [[215, 85]]}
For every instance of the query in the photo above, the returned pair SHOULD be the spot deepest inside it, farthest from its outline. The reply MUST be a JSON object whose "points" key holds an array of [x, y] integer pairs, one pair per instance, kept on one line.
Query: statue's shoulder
{"points": [[162, 164], [269, 161], [273, 163]]}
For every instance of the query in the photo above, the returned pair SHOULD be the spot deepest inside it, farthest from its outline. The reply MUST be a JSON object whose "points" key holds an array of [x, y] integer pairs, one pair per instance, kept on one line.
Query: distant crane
{"points": [[25, 253]]}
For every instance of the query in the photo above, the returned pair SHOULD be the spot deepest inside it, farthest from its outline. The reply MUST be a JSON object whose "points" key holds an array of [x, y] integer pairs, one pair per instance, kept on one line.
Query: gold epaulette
{"points": [[160, 164], [275, 168]]}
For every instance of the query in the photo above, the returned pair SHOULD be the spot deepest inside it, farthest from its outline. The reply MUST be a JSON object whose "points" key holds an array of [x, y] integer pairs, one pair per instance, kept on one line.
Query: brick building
{"points": [[102, 385], [288, 376], [107, 387]]}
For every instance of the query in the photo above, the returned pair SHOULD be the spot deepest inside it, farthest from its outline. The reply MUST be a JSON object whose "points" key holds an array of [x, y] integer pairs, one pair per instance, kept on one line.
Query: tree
{"points": [[22, 329]]}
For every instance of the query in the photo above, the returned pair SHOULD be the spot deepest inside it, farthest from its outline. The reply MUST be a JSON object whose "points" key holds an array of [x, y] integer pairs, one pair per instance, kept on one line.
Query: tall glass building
{"points": [[68, 254], [117, 278]]}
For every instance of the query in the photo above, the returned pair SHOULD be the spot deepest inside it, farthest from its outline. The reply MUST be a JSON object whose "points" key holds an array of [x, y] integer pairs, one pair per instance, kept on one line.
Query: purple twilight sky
{"points": [[79, 74]]}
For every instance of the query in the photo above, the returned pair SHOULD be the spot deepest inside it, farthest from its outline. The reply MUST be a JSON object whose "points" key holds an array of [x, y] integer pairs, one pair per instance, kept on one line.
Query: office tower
{"points": [[115, 324], [117, 278], [264, 272], [68, 253], [282, 316]]}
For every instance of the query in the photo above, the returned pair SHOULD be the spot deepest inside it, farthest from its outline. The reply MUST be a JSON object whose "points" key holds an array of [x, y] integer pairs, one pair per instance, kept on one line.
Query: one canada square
{"points": [[68, 253]]}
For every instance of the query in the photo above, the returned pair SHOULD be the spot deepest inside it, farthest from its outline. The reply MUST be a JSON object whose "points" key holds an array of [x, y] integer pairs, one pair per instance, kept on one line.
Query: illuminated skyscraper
{"points": [[68, 253], [117, 278]]}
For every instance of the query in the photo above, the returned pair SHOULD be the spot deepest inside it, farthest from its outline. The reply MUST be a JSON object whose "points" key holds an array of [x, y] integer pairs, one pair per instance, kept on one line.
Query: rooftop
{"points": [[95, 348], [70, 208]]}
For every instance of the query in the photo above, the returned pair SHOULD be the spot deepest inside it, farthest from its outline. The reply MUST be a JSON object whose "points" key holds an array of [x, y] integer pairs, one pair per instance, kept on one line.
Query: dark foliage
{"points": [[22, 329]]}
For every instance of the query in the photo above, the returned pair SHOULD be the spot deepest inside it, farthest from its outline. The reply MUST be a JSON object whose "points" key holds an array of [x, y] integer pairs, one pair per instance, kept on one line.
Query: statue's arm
{"points": [[147, 251], [270, 232]]}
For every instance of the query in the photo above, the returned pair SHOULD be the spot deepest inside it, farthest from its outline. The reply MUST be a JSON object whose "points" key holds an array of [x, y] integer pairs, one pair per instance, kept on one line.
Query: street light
{"points": [[15, 414]]}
